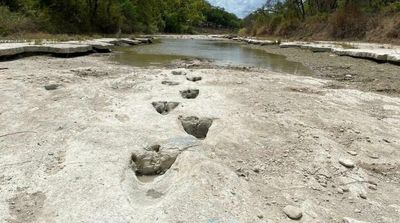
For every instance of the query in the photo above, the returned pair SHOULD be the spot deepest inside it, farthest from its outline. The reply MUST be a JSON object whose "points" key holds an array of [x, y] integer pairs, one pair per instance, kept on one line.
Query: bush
{"points": [[394, 32], [261, 30], [348, 22], [392, 8], [274, 23], [243, 32], [11, 22], [287, 27]]}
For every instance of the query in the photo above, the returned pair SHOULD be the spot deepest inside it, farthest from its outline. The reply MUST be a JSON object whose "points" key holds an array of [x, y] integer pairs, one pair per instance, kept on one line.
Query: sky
{"points": [[240, 7]]}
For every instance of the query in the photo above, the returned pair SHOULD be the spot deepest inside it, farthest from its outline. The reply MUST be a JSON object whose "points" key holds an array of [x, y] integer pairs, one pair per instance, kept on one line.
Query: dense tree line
{"points": [[112, 16], [339, 18]]}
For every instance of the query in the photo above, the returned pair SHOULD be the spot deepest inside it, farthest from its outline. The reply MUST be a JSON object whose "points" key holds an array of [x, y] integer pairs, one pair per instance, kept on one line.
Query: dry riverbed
{"points": [[347, 72], [88, 140]]}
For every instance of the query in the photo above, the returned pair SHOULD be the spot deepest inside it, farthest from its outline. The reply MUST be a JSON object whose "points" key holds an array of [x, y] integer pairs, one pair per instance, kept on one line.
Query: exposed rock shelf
{"points": [[69, 48], [255, 41], [378, 52]]}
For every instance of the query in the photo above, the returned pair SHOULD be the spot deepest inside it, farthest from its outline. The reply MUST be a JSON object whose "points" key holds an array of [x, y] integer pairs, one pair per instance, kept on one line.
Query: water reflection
{"points": [[222, 52]]}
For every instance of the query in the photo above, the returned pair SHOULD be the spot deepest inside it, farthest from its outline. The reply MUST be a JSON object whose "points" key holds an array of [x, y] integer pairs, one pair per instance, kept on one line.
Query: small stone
{"points": [[293, 212], [340, 190], [373, 156], [348, 77], [194, 79], [353, 153], [351, 220], [170, 83], [373, 182], [372, 187], [346, 162], [51, 87], [357, 211], [363, 195], [260, 216], [179, 72]]}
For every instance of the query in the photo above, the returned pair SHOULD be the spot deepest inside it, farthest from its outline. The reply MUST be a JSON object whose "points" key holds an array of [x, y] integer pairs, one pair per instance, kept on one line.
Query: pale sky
{"points": [[240, 7]]}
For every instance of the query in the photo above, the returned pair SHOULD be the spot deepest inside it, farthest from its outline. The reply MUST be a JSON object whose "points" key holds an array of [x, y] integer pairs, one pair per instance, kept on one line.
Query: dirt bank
{"points": [[88, 140], [345, 72]]}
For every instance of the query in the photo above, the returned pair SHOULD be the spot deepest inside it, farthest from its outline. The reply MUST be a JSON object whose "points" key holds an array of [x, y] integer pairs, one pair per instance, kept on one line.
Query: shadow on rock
{"points": [[197, 127], [164, 107], [190, 93]]}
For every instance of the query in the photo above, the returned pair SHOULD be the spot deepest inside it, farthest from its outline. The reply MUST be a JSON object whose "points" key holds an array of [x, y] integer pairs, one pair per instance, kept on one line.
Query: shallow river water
{"points": [[222, 53]]}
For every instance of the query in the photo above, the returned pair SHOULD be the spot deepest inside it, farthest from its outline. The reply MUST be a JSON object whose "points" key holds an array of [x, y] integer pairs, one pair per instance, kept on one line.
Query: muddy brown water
{"points": [[222, 53]]}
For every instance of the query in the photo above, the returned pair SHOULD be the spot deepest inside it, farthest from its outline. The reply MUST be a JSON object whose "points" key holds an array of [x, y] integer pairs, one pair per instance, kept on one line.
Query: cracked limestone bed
{"points": [[271, 140]]}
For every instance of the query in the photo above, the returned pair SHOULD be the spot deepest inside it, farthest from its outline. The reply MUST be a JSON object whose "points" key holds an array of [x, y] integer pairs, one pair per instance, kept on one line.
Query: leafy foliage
{"points": [[116, 16], [12, 22], [344, 18]]}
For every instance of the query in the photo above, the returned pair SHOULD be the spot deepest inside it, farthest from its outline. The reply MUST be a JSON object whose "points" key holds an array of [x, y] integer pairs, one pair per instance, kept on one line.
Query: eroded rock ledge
{"points": [[383, 53], [70, 48]]}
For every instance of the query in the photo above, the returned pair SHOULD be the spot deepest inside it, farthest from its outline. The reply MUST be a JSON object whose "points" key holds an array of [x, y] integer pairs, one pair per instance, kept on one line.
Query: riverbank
{"points": [[368, 70], [78, 133], [345, 72]]}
